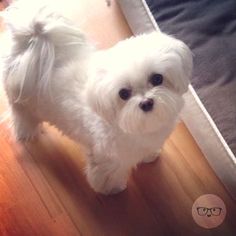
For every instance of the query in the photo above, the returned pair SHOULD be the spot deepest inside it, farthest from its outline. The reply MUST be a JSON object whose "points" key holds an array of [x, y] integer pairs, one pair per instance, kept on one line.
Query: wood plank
{"points": [[61, 162], [179, 177], [26, 201]]}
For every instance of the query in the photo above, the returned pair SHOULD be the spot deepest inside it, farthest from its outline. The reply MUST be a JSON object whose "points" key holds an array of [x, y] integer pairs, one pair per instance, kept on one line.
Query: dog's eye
{"points": [[125, 93], [156, 79]]}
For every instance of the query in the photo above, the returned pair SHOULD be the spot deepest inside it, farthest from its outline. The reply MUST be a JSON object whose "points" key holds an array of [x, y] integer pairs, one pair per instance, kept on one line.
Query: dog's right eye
{"points": [[156, 79], [125, 94]]}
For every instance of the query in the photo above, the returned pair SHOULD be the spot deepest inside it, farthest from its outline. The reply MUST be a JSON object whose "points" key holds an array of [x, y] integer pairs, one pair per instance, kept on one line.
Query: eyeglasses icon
{"points": [[205, 211]]}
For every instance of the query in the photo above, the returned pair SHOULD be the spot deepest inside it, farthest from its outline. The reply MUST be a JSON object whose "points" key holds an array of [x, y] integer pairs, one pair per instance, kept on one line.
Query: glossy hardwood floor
{"points": [[43, 190]]}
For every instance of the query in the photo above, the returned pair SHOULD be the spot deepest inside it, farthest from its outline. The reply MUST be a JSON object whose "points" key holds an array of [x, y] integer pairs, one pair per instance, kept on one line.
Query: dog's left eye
{"points": [[125, 94], [156, 79]]}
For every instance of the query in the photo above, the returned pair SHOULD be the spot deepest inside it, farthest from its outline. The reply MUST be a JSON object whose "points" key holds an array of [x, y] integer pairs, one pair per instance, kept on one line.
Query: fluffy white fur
{"points": [[52, 74]]}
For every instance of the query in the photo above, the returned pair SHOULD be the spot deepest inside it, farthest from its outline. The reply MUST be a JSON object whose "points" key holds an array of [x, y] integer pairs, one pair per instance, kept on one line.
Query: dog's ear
{"points": [[100, 95], [177, 67], [186, 61]]}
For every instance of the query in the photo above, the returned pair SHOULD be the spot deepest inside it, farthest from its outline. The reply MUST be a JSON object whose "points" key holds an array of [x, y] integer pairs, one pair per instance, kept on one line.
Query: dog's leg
{"points": [[25, 125], [107, 177]]}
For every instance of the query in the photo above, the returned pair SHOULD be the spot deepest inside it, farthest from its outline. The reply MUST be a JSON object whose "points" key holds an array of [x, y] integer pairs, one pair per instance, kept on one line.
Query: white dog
{"points": [[121, 103]]}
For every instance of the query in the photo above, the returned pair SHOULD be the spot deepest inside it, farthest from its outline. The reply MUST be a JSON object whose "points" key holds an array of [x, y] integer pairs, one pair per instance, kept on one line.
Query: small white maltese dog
{"points": [[121, 103]]}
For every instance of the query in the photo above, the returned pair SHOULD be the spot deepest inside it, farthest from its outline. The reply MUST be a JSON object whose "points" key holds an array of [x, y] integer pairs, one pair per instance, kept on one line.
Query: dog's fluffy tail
{"points": [[41, 41]]}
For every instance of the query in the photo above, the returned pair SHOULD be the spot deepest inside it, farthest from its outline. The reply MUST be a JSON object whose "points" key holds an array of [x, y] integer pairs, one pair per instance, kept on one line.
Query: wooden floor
{"points": [[43, 190]]}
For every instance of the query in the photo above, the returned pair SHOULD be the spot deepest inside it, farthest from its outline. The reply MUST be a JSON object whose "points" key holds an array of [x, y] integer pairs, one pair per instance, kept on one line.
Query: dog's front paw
{"points": [[25, 135], [151, 158], [110, 190], [26, 128], [106, 181]]}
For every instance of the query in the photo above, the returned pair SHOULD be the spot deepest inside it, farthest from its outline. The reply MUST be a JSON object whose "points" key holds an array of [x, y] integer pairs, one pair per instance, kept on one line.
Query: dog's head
{"points": [[138, 84]]}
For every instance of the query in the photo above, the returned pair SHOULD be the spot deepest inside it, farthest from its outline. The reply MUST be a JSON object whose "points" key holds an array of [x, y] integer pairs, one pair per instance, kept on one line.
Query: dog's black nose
{"points": [[147, 104]]}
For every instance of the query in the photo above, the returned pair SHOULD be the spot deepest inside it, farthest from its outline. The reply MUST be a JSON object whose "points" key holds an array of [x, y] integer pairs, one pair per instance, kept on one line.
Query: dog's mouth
{"points": [[150, 116], [144, 122]]}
